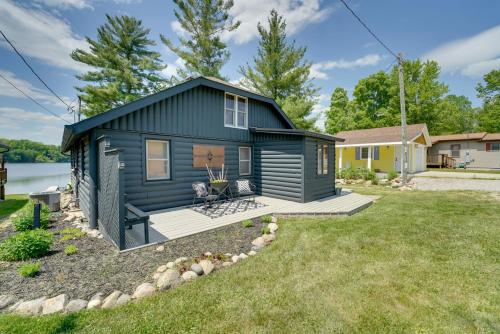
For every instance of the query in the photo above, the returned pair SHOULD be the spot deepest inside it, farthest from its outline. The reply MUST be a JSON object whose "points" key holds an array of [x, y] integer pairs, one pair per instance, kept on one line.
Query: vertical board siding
{"points": [[278, 163], [198, 112], [318, 186]]}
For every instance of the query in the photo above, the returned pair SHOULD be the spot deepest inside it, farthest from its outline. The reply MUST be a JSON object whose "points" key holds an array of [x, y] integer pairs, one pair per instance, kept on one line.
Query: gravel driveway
{"points": [[434, 183]]}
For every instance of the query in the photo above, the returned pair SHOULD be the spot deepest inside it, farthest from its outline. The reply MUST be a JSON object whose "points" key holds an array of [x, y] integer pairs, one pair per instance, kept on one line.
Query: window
{"points": [[157, 160], [245, 160], [455, 150], [364, 153], [236, 111], [322, 159], [492, 147]]}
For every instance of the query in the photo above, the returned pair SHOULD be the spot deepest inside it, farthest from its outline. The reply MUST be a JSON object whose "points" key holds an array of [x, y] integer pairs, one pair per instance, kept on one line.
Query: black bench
{"points": [[134, 216]]}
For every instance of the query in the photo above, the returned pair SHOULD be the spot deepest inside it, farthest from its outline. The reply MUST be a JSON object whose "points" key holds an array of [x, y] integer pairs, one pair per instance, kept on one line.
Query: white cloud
{"points": [[297, 13], [171, 69], [18, 114], [318, 69], [472, 56], [38, 94], [65, 4], [178, 29], [40, 35], [319, 109]]}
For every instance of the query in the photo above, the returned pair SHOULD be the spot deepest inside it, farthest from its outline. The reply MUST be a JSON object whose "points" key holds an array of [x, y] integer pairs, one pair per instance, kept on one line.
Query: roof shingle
{"points": [[380, 135]]}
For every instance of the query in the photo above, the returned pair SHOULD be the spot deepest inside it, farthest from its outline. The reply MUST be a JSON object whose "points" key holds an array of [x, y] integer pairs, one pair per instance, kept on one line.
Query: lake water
{"points": [[25, 178]]}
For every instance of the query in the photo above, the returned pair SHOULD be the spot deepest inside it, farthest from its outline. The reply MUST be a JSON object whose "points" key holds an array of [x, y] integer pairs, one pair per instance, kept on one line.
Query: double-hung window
{"points": [[236, 111], [245, 159], [455, 150], [322, 159], [157, 159]]}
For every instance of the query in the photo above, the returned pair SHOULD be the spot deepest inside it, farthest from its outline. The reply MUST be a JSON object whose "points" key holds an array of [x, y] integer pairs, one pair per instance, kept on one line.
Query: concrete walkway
{"points": [[459, 175]]}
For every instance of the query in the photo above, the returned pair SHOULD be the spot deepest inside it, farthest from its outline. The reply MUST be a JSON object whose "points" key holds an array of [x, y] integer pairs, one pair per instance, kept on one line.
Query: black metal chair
{"points": [[245, 188], [203, 193]]}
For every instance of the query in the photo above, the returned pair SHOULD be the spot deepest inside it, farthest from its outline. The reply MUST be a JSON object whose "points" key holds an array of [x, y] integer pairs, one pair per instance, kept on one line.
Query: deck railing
{"points": [[441, 161]]}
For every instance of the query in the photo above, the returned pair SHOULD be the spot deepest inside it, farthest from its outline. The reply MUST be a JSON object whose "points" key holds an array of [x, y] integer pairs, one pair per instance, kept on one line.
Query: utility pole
{"points": [[404, 136], [79, 107]]}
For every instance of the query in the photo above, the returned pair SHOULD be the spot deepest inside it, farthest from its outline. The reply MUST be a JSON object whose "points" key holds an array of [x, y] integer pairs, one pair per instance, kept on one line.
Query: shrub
{"points": [[247, 223], [375, 180], [29, 269], [391, 175], [70, 250], [267, 219], [26, 245], [24, 220], [266, 230], [71, 233]]}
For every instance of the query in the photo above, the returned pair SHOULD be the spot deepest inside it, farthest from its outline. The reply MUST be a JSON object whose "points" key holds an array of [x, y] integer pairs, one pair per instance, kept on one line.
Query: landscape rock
{"points": [[227, 264], [95, 301], [274, 220], [257, 248], [207, 266], [259, 242], [235, 258], [170, 265], [228, 255], [167, 279], [156, 276], [123, 299], [252, 253], [75, 305], [189, 275], [197, 268], [31, 307], [268, 238], [6, 300], [160, 248], [144, 290], [161, 268], [13, 307], [110, 300], [207, 254], [273, 227], [55, 305], [242, 256], [181, 260]]}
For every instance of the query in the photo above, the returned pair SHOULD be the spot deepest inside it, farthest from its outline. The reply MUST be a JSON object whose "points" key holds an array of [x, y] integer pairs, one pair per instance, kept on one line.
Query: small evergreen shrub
{"points": [[29, 269], [24, 220], [391, 175], [267, 219], [26, 245], [71, 233], [357, 174], [266, 230], [70, 250], [247, 223]]}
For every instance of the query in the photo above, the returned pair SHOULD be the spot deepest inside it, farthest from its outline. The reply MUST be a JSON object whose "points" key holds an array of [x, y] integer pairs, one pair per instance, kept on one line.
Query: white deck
{"points": [[180, 222]]}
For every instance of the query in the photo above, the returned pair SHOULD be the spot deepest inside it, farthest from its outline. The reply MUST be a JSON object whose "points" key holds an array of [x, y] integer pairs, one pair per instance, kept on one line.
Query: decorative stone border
{"points": [[167, 276]]}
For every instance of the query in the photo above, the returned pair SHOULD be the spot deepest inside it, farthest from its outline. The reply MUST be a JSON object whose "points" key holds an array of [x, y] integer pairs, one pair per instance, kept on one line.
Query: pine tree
{"points": [[281, 72], [124, 67], [204, 21]]}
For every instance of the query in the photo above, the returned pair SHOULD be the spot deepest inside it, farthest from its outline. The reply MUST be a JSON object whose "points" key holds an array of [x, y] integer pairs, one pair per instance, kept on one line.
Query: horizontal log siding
{"points": [[198, 112], [158, 195], [278, 163], [79, 180], [318, 186]]}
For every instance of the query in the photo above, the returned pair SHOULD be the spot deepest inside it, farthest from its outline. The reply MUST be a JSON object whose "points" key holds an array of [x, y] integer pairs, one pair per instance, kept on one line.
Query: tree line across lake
{"points": [[23, 150]]}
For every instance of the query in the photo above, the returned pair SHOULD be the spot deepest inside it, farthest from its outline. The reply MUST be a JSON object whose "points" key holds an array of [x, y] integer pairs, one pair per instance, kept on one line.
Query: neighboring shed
{"points": [[149, 152]]}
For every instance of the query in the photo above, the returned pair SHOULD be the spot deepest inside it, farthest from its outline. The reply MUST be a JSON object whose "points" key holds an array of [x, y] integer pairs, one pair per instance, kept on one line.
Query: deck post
{"points": [[340, 158], [369, 158]]}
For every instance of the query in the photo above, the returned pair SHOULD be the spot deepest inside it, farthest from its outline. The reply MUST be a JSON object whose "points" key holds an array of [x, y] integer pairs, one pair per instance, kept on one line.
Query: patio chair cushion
{"points": [[200, 189], [243, 187]]}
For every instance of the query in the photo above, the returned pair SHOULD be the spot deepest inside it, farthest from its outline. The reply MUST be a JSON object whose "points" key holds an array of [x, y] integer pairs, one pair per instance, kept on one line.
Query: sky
{"points": [[463, 36]]}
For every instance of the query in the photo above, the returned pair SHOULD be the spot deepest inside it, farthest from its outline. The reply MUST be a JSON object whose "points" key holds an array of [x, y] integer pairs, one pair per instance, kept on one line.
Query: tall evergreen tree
{"points": [[204, 21], [124, 67], [489, 116], [280, 72]]}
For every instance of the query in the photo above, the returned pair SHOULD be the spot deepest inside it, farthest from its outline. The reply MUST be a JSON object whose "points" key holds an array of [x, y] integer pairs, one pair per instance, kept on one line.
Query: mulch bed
{"points": [[99, 267]]}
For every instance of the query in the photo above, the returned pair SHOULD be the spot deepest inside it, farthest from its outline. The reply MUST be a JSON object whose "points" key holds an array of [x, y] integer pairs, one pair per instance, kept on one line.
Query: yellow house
{"points": [[380, 150]]}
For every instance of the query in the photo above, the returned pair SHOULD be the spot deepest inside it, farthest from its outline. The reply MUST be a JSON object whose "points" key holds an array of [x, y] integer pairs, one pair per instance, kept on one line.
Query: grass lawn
{"points": [[461, 170], [11, 204], [419, 262]]}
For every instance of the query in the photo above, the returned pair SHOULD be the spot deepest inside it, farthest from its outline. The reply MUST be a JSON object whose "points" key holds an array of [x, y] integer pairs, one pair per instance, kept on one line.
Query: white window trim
{"points": [[368, 154], [167, 177], [236, 111], [249, 160], [320, 161]]}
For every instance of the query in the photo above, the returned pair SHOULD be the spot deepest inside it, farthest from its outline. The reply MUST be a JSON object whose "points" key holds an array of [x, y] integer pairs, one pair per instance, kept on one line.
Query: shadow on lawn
{"points": [[11, 205]]}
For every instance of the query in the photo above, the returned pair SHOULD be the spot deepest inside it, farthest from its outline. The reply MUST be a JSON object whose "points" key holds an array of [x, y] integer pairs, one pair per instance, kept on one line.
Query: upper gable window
{"points": [[236, 111]]}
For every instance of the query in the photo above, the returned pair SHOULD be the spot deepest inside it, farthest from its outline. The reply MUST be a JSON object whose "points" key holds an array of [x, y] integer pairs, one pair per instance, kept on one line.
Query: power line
{"points": [[32, 70], [32, 99], [369, 30]]}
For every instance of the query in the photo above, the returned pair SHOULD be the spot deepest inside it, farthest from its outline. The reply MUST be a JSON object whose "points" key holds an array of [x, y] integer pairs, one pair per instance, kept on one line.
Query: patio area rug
{"points": [[227, 208]]}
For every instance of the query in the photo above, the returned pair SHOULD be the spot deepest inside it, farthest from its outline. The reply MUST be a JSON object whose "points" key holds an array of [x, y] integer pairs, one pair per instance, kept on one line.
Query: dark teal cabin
{"points": [[147, 153]]}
